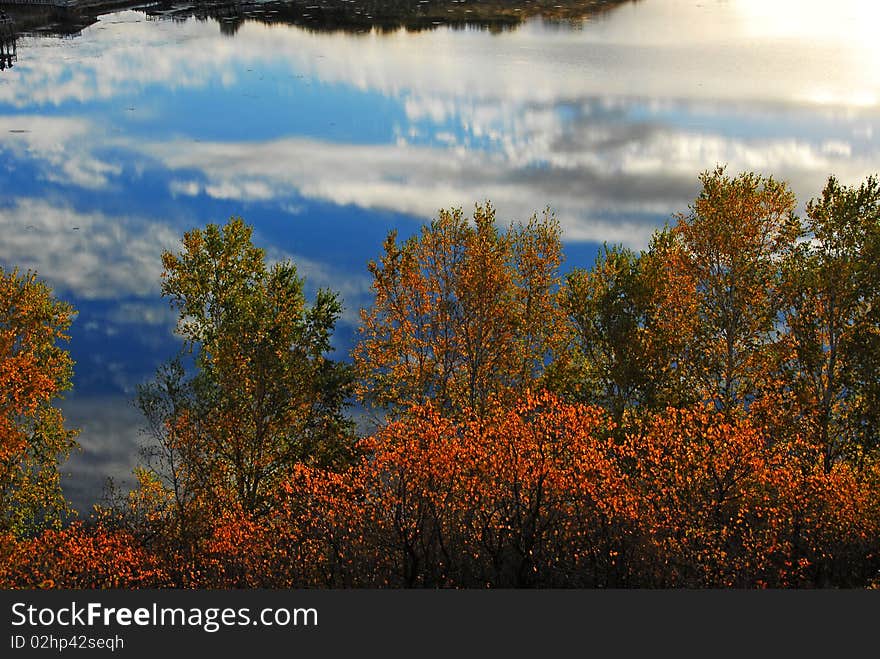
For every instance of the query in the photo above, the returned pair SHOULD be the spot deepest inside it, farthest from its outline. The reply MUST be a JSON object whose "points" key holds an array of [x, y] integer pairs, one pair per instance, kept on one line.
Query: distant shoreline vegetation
{"points": [[704, 413], [318, 15]]}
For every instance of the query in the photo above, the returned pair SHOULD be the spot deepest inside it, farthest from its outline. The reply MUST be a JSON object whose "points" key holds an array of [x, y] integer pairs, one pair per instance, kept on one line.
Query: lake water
{"points": [[116, 141]]}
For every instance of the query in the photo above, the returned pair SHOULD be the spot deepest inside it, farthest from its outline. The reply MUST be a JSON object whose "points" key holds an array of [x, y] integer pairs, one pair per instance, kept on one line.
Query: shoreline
{"points": [[68, 18]]}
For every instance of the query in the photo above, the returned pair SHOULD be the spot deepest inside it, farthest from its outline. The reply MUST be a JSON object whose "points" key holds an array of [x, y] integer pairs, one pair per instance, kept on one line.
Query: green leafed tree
{"points": [[609, 311], [265, 395], [831, 306]]}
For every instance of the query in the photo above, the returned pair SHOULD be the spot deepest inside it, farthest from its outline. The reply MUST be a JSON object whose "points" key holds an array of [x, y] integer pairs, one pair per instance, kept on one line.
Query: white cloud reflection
{"points": [[790, 51], [62, 145], [593, 177], [87, 254], [110, 439], [609, 125]]}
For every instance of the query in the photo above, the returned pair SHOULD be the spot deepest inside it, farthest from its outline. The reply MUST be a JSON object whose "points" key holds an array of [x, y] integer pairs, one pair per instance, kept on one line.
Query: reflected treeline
{"points": [[49, 21], [320, 15], [388, 15], [356, 16]]}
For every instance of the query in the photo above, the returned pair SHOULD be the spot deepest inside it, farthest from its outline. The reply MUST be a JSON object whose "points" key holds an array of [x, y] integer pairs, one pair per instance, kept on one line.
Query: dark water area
{"points": [[325, 131]]}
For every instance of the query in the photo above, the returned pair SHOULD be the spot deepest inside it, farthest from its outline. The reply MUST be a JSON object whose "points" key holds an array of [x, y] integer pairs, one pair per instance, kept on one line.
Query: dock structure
{"points": [[7, 41], [7, 54]]}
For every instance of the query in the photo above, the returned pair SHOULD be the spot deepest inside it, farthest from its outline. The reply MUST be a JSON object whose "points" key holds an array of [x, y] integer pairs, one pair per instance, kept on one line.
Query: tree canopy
{"points": [[35, 369], [463, 313], [265, 395]]}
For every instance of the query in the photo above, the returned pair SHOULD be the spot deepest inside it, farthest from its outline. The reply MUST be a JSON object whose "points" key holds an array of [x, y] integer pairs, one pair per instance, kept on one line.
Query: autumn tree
{"points": [[463, 312], [609, 309], [528, 495], [829, 304], [265, 396], [722, 259], [866, 346], [34, 371]]}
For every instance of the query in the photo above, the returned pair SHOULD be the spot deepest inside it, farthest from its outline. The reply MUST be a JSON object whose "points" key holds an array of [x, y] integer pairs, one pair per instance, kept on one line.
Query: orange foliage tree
{"points": [[462, 313], [525, 496], [34, 371], [541, 495], [79, 557], [722, 259], [686, 470]]}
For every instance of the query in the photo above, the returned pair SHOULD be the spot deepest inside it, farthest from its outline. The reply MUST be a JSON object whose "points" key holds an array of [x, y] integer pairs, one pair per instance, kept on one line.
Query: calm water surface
{"points": [[116, 141]]}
